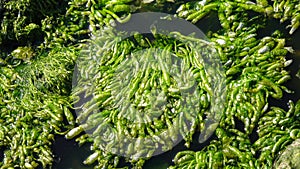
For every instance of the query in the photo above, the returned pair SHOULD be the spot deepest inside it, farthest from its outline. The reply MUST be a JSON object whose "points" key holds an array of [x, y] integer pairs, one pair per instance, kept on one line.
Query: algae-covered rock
{"points": [[290, 158]]}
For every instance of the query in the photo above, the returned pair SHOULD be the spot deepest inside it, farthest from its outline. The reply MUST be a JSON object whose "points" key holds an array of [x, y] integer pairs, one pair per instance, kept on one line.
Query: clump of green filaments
{"points": [[40, 42]]}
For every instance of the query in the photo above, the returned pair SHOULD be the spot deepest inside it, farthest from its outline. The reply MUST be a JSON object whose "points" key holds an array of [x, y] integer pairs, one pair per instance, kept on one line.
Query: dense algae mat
{"points": [[40, 43]]}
